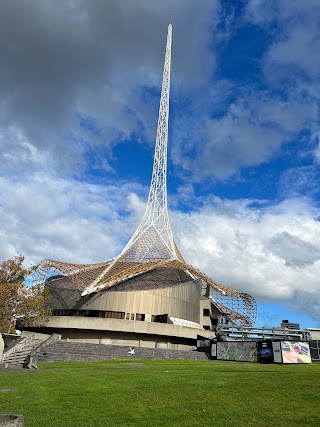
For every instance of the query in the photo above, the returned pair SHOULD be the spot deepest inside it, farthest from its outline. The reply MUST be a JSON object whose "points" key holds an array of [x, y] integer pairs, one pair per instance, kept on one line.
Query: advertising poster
{"points": [[240, 351], [265, 353], [295, 352]]}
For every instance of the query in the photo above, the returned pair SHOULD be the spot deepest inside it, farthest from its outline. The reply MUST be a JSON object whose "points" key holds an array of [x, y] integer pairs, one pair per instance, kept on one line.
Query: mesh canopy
{"points": [[239, 306]]}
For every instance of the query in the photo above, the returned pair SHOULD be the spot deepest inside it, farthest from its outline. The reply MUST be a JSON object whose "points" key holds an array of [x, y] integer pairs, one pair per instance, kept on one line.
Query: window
{"points": [[206, 312], [91, 313]]}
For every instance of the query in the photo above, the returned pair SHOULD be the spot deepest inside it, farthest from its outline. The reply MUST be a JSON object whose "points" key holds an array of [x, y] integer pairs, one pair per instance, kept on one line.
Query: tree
{"points": [[18, 301]]}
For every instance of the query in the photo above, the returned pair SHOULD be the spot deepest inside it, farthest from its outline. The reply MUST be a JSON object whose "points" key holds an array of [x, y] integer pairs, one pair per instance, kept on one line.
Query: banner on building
{"points": [[240, 351], [295, 352]]}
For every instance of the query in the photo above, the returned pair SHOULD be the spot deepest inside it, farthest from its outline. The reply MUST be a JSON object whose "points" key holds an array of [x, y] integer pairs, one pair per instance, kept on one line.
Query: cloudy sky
{"points": [[79, 96]]}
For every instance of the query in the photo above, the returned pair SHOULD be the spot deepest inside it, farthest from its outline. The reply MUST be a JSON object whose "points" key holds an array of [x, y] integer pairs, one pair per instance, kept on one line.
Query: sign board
{"points": [[277, 357], [265, 352], [240, 351], [203, 343], [214, 350], [295, 352]]}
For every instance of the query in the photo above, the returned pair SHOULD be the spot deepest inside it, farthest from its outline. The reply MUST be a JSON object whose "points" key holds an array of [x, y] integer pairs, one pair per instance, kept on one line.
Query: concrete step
{"points": [[19, 357], [71, 351]]}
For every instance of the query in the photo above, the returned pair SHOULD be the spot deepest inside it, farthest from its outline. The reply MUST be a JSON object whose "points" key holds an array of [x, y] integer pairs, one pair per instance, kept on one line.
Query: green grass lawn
{"points": [[163, 393]]}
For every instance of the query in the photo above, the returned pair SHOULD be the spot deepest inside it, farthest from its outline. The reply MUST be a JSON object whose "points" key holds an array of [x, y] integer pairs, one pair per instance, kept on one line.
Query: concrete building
{"points": [[148, 295]]}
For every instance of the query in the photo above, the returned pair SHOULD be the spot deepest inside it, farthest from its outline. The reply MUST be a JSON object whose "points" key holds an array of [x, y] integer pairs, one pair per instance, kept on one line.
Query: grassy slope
{"points": [[164, 393]]}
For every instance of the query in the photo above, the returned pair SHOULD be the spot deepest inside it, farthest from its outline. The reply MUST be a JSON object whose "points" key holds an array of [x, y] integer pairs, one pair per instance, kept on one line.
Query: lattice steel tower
{"points": [[153, 239]]}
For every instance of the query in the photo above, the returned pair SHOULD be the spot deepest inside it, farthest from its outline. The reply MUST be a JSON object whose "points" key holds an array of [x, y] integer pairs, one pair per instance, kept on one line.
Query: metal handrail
{"points": [[18, 346], [264, 332], [31, 362]]}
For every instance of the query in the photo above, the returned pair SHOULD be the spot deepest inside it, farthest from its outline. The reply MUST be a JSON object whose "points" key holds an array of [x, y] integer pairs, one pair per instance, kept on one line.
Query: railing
{"points": [[31, 361], [245, 333], [7, 347], [18, 346], [25, 341]]}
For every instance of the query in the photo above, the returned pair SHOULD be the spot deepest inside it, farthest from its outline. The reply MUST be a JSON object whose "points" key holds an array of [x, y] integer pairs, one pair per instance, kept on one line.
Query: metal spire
{"points": [[153, 239]]}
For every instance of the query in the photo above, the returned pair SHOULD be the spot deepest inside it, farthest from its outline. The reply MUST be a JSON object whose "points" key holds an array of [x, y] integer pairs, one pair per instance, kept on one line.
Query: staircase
{"points": [[62, 351], [18, 355]]}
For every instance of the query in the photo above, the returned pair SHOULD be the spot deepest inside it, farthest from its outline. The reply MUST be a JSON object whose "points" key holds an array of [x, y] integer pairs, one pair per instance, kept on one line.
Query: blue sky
{"points": [[79, 89]]}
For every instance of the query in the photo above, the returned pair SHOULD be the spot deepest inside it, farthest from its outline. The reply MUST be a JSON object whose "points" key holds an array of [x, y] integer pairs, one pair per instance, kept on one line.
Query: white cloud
{"points": [[265, 12], [298, 52], [316, 154], [49, 217], [300, 180], [295, 251], [271, 252], [296, 42], [92, 58], [253, 130]]}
